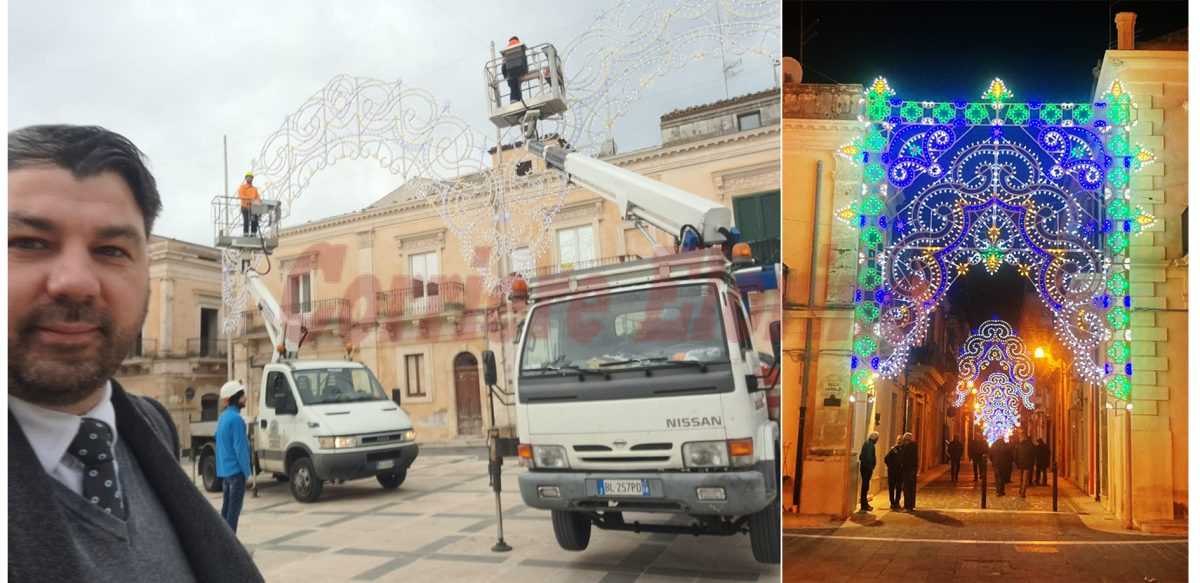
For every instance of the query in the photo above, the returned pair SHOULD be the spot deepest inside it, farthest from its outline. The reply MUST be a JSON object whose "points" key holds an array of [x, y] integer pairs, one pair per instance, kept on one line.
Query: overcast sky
{"points": [[175, 77]]}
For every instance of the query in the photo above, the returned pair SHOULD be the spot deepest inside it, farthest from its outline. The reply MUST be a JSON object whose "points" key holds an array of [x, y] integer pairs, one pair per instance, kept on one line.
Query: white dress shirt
{"points": [[51, 432]]}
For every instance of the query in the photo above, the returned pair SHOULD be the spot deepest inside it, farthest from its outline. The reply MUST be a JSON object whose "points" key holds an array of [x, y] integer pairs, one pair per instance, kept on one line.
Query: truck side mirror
{"points": [[776, 333], [285, 404], [396, 396], [489, 368]]}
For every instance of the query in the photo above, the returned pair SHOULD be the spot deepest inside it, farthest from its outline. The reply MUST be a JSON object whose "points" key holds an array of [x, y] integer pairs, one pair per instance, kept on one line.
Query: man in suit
{"points": [[95, 491], [866, 467]]}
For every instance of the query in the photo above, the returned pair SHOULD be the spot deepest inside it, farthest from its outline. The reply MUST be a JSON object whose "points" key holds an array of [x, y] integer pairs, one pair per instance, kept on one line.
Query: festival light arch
{"points": [[1043, 187], [994, 350]]}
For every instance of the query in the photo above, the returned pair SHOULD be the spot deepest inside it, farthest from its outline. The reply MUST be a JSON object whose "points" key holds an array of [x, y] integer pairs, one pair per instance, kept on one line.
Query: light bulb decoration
{"points": [[995, 369], [1040, 188]]}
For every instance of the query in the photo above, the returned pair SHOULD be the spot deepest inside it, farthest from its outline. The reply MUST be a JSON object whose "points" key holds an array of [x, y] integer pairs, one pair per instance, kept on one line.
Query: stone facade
{"points": [[181, 356]]}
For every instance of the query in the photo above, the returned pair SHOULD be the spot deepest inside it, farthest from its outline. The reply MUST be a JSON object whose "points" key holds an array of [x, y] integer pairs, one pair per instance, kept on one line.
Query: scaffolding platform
{"points": [[541, 82]]}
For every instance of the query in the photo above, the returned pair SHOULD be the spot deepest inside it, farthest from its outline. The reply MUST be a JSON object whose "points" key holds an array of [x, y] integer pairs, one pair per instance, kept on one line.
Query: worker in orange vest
{"points": [[514, 80], [248, 194]]}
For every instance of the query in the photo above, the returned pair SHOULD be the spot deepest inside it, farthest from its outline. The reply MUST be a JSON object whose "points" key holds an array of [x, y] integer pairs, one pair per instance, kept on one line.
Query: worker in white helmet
{"points": [[233, 452]]}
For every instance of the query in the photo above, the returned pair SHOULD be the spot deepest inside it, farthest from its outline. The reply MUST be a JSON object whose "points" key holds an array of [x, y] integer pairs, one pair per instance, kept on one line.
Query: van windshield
{"points": [[665, 326], [337, 385]]}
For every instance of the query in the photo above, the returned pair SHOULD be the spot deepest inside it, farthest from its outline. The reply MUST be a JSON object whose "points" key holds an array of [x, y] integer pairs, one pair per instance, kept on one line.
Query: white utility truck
{"points": [[318, 421], [636, 383]]}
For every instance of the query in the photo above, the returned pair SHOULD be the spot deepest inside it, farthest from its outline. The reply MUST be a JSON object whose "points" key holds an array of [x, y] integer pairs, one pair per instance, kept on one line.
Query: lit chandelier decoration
{"points": [[994, 347], [1042, 188], [439, 158], [996, 408]]}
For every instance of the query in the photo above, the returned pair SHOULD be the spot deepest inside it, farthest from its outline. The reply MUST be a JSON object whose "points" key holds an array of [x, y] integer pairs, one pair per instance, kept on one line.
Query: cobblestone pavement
{"points": [[949, 538], [440, 526]]}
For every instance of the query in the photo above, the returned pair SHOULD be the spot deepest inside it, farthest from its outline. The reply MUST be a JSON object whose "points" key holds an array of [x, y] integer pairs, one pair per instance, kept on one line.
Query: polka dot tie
{"points": [[93, 447]]}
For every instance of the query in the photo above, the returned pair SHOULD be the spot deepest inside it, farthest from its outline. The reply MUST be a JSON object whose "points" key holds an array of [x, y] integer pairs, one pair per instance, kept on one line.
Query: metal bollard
{"points": [[983, 491], [1054, 487]]}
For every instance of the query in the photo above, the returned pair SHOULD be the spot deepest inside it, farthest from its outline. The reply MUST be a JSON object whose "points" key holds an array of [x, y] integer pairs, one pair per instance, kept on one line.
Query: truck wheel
{"points": [[573, 530], [392, 480], [306, 486], [208, 471], [764, 533]]}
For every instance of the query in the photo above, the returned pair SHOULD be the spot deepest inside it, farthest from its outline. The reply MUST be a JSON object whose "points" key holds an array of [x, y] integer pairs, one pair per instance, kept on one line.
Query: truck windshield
{"points": [[337, 385], [660, 327]]}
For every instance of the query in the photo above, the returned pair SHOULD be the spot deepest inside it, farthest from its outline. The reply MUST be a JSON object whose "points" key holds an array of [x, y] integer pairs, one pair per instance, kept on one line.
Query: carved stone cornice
{"points": [[424, 241], [760, 178], [580, 211]]}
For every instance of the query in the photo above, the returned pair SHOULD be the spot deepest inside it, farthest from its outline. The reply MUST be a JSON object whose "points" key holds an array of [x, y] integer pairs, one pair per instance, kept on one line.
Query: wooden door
{"points": [[466, 389]]}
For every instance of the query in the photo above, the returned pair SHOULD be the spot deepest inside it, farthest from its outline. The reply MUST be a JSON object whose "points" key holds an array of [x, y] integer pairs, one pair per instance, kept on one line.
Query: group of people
{"points": [[901, 462], [1030, 459]]}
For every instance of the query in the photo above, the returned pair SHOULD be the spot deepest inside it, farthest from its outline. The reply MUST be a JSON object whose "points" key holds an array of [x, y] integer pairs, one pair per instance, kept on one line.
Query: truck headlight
{"points": [[706, 454], [550, 456], [338, 442], [410, 435]]}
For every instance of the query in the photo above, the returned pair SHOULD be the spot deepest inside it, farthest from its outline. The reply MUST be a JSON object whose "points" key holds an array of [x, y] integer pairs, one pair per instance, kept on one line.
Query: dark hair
{"points": [[87, 151], [513, 38]]}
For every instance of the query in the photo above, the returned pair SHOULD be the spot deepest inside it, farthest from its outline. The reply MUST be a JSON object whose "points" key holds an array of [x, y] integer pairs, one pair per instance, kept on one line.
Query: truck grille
{"points": [[636, 459], [638, 447], [381, 439]]}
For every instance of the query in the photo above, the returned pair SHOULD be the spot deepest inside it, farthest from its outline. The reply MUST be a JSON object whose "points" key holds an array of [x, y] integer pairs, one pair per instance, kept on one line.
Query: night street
{"points": [[948, 538]]}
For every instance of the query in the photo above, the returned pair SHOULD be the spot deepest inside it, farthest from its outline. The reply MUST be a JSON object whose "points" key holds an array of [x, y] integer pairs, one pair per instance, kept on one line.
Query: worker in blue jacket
{"points": [[233, 452]]}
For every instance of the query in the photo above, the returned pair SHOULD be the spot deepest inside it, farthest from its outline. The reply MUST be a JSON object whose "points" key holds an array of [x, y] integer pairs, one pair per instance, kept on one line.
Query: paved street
{"points": [[439, 526], [949, 538]]}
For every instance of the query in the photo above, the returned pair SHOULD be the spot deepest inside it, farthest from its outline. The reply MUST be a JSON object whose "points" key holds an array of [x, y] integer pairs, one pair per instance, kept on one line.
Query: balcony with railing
{"points": [[319, 314], [143, 348], [206, 347], [422, 301], [765, 251]]}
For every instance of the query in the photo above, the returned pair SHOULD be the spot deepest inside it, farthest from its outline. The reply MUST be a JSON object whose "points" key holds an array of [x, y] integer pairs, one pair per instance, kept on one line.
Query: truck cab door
{"points": [[274, 432]]}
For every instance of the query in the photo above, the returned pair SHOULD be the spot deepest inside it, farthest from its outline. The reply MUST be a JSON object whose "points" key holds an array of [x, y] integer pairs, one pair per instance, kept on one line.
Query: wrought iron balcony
{"points": [[422, 301], [581, 265], [144, 348], [765, 251], [319, 314], [206, 347]]}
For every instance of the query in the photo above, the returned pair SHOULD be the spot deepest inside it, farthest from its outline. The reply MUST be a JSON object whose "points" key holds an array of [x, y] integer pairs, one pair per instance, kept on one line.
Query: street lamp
{"points": [[1040, 354]]}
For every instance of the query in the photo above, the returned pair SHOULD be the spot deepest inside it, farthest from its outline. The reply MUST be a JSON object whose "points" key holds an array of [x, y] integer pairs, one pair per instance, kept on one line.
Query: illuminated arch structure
{"points": [[995, 350], [1042, 187]]}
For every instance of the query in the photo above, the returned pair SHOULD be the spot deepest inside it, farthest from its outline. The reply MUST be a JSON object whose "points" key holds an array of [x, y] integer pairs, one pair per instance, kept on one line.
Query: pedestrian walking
{"points": [[976, 450], [908, 460], [1000, 458], [866, 467], [1024, 459], [1041, 461], [895, 472], [955, 451]]}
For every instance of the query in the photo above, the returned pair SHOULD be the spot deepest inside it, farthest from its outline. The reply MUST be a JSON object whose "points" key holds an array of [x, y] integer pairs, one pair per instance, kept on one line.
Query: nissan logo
{"points": [[620, 443]]}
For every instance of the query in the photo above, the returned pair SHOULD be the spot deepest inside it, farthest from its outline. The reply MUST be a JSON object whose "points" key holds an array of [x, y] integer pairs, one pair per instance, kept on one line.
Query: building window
{"points": [[749, 121], [576, 245], [423, 267], [208, 407], [414, 371], [521, 260], [300, 293]]}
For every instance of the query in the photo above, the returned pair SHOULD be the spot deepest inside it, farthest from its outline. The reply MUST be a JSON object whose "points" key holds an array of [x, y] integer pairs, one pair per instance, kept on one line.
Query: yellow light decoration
{"points": [[997, 92], [963, 268], [847, 214], [1116, 89], [1144, 156], [850, 150], [880, 86]]}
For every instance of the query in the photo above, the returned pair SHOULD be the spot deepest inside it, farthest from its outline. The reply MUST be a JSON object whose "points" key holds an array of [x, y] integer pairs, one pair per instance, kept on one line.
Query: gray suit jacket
{"points": [[37, 531]]}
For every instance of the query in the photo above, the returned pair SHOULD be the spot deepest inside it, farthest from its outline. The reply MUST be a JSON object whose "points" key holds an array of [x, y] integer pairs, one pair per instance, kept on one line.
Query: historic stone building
{"points": [[390, 280], [180, 358]]}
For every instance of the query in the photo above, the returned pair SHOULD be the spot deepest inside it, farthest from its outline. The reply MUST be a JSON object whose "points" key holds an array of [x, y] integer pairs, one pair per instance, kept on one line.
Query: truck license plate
{"points": [[385, 464], [623, 487]]}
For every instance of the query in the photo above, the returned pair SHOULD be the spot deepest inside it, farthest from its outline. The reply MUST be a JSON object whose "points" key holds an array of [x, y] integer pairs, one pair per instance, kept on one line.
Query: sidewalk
{"points": [[948, 537]]}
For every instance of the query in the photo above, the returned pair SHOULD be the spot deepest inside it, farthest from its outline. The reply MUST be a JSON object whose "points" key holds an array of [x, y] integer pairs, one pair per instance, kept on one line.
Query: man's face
{"points": [[78, 282], [249, 180]]}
